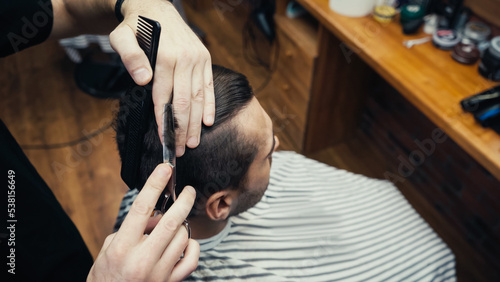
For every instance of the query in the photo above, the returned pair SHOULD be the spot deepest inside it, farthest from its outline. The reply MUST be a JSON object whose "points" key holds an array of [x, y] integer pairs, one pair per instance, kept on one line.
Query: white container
{"points": [[352, 8]]}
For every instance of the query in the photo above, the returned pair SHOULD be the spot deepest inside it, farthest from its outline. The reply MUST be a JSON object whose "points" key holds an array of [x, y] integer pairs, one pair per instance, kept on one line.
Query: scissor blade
{"points": [[169, 145], [168, 135]]}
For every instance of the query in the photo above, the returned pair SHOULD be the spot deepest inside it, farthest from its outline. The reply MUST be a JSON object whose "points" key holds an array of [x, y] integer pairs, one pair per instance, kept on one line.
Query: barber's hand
{"points": [[183, 66], [129, 255]]}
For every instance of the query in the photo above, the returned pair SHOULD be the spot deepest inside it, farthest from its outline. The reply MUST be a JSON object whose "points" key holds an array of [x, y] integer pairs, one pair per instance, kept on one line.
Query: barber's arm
{"points": [[129, 255], [183, 66], [183, 60]]}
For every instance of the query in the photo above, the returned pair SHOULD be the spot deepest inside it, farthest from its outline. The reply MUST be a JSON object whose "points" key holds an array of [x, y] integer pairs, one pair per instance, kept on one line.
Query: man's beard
{"points": [[249, 198]]}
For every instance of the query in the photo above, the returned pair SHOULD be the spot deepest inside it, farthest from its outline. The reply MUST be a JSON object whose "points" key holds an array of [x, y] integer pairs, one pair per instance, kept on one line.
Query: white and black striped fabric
{"points": [[319, 223], [73, 45]]}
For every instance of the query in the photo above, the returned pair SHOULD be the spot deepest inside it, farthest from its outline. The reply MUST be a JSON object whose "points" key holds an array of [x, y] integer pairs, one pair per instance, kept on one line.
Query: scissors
{"points": [[169, 157], [169, 152]]}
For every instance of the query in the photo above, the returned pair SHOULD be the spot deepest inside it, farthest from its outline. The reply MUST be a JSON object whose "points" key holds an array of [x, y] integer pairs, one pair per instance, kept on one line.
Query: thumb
{"points": [[123, 41]]}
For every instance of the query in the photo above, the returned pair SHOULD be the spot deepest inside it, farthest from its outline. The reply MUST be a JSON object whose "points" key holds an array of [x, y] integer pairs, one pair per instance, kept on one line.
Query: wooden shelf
{"points": [[429, 78]]}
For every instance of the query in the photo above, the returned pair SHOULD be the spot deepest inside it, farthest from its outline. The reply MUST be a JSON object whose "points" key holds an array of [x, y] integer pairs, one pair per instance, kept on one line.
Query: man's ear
{"points": [[218, 206]]}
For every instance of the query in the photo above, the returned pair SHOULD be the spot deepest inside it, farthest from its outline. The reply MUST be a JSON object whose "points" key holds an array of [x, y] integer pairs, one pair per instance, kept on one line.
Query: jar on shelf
{"points": [[490, 63], [385, 10]]}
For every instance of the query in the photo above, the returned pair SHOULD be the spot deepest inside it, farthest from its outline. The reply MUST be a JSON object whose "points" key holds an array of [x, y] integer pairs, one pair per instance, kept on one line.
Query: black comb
{"points": [[148, 36], [139, 103]]}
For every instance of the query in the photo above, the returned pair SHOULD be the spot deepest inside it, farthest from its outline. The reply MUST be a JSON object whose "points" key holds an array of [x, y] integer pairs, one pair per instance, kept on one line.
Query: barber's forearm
{"points": [[74, 17]]}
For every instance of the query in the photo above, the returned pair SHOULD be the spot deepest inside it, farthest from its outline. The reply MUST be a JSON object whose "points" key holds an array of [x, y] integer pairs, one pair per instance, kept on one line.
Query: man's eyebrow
{"points": [[272, 148]]}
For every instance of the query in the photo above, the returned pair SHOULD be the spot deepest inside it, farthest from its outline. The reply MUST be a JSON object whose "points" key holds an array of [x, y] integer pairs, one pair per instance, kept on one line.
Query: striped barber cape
{"points": [[319, 223]]}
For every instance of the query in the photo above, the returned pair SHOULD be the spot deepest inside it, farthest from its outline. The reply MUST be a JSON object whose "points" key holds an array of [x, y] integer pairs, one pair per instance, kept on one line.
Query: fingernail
{"points": [[165, 169], [141, 75], [210, 119], [179, 151], [192, 142], [191, 190]]}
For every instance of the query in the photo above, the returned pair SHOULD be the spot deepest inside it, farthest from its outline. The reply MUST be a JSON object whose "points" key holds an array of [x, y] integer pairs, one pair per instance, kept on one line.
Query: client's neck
{"points": [[203, 227]]}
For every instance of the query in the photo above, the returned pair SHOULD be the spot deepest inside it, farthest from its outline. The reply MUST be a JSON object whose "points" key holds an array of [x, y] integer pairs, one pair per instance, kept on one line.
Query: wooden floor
{"points": [[41, 105]]}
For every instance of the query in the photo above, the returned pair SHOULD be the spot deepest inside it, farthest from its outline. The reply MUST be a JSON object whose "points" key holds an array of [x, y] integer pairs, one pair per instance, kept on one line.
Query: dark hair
{"points": [[223, 156]]}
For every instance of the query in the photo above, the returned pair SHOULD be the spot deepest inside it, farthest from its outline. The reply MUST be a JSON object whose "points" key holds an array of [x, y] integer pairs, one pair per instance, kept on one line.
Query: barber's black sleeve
{"points": [[38, 241], [24, 23]]}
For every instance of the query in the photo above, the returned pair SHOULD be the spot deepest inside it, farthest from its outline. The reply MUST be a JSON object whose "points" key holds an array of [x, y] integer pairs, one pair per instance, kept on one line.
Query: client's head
{"points": [[230, 167]]}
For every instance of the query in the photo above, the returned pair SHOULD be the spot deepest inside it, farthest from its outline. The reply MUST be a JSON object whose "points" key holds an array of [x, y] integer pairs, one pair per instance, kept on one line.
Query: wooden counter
{"points": [[428, 77]]}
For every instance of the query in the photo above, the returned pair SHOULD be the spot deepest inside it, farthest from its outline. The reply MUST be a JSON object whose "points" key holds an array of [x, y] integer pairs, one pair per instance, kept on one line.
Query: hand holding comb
{"points": [[141, 107]]}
